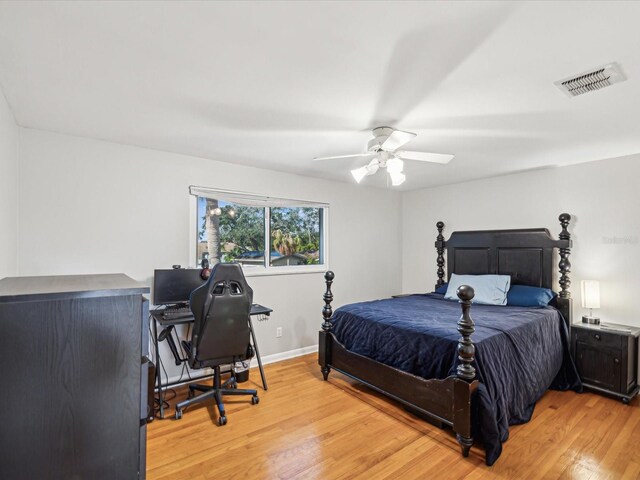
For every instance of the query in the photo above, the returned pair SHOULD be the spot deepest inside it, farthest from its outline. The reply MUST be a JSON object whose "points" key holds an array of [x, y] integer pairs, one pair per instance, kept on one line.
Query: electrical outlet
{"points": [[278, 332]]}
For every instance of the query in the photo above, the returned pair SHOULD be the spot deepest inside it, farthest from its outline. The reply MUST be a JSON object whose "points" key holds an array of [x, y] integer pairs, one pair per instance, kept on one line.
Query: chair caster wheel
{"points": [[222, 420], [178, 414], [625, 401], [255, 400], [233, 385]]}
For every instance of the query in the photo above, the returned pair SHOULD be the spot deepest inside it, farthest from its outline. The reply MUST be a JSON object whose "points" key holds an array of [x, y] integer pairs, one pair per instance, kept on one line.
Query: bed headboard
{"points": [[527, 255]]}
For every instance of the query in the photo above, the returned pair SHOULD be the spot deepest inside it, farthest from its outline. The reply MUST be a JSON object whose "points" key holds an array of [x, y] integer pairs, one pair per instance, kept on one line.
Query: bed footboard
{"points": [[466, 373], [324, 345], [446, 401]]}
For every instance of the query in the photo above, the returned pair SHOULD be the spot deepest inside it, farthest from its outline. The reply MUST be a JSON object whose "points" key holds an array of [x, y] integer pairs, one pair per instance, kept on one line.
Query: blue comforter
{"points": [[520, 352]]}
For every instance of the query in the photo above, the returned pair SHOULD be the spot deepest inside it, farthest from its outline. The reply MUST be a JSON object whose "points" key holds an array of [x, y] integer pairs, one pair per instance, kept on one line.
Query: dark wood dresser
{"points": [[607, 358], [74, 377]]}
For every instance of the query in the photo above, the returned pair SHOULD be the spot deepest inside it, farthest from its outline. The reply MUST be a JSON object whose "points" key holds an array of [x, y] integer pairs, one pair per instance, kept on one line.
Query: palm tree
{"points": [[285, 244], [212, 227]]}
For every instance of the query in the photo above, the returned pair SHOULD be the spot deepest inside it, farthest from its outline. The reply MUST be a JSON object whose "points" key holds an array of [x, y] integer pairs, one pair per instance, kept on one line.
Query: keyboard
{"points": [[173, 313]]}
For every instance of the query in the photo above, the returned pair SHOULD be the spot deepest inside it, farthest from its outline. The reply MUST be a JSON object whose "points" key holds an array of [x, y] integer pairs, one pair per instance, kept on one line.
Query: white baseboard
{"points": [[279, 357], [274, 358]]}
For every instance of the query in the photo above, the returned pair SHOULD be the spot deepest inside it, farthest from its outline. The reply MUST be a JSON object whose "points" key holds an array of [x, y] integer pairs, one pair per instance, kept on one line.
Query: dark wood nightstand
{"points": [[607, 358]]}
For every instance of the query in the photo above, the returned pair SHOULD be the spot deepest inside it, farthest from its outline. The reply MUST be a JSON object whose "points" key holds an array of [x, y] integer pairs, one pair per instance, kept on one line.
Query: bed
{"points": [[477, 376]]}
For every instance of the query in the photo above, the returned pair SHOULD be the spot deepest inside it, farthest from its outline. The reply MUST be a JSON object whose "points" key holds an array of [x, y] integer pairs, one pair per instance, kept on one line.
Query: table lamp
{"points": [[590, 300]]}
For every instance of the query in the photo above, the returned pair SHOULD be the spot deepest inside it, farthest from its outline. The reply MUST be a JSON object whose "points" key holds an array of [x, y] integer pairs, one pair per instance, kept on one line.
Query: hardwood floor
{"points": [[304, 427]]}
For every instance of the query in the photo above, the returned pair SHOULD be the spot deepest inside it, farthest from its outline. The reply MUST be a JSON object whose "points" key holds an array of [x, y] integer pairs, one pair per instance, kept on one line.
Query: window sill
{"points": [[263, 271]]}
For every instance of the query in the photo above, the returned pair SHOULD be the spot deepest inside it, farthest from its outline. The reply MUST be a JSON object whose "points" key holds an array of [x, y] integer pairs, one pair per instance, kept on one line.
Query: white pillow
{"points": [[489, 289]]}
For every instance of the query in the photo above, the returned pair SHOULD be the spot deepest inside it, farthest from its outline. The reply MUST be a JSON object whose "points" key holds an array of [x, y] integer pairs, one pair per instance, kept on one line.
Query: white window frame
{"points": [[261, 201]]}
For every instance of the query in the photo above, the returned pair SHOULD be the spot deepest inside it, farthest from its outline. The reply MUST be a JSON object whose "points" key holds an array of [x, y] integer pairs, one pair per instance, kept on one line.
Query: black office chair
{"points": [[220, 334]]}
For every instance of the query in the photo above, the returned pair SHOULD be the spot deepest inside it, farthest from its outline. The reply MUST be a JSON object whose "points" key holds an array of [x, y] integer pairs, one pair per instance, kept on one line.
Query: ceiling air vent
{"points": [[591, 80]]}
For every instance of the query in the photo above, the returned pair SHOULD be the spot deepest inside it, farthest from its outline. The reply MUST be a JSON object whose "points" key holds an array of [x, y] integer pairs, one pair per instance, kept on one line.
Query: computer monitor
{"points": [[175, 285]]}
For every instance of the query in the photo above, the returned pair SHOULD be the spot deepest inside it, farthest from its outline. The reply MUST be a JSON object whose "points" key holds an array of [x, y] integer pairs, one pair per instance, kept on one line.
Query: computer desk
{"points": [[159, 319]]}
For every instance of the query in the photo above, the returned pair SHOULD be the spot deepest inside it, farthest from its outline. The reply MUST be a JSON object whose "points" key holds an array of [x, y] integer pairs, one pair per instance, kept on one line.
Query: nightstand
{"points": [[607, 358]]}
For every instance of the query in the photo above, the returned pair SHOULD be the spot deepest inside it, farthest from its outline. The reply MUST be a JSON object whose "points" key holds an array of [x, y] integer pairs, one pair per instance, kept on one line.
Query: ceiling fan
{"points": [[384, 148]]}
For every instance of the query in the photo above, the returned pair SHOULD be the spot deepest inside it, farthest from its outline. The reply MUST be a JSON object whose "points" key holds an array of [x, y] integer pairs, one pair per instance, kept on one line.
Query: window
{"points": [[263, 234]]}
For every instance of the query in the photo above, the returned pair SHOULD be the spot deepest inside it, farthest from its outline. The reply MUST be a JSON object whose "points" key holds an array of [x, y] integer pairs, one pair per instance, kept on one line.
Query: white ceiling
{"points": [[275, 84]]}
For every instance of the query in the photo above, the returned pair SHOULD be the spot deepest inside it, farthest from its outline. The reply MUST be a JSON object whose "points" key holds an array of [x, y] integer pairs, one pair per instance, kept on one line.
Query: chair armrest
{"points": [[193, 351]]}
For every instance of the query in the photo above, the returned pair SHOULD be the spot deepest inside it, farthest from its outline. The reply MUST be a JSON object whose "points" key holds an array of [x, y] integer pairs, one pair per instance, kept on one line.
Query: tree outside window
{"points": [[230, 232]]}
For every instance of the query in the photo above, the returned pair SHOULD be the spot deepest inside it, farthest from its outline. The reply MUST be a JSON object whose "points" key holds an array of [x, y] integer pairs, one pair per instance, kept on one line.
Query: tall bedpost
{"points": [[327, 311], [564, 297], [466, 349], [464, 385], [440, 250], [565, 264], [324, 345]]}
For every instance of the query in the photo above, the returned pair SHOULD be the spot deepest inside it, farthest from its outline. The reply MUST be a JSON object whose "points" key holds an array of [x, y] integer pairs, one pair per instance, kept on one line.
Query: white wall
{"points": [[9, 134], [602, 197], [88, 206]]}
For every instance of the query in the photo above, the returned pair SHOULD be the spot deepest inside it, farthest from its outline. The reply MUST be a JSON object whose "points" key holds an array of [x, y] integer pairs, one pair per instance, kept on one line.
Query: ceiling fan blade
{"points": [[425, 156], [414, 73], [366, 154], [396, 140]]}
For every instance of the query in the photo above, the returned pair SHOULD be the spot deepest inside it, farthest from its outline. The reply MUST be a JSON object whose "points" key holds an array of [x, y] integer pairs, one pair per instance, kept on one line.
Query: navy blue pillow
{"points": [[526, 296], [442, 289]]}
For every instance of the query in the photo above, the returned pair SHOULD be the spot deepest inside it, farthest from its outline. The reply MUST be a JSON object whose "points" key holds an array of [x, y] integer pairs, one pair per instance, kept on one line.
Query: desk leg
{"points": [[255, 345], [158, 367]]}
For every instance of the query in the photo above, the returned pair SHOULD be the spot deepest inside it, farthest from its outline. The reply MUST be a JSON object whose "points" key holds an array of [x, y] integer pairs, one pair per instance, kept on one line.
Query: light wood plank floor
{"points": [[307, 428]]}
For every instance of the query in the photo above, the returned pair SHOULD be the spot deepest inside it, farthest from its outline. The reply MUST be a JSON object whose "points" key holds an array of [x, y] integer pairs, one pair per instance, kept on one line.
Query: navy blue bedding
{"points": [[520, 352]]}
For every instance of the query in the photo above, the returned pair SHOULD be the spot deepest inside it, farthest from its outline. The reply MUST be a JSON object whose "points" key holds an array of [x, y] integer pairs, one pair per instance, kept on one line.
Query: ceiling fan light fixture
{"points": [[360, 173], [384, 151], [397, 178], [372, 167], [395, 165]]}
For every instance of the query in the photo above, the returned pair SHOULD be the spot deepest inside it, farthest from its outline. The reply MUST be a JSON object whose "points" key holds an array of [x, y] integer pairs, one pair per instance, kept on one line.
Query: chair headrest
{"points": [[227, 279]]}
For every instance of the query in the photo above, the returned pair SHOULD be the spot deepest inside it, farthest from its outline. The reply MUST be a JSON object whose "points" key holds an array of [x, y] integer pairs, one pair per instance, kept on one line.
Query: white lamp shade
{"points": [[590, 294], [372, 167], [395, 165], [397, 178], [359, 173]]}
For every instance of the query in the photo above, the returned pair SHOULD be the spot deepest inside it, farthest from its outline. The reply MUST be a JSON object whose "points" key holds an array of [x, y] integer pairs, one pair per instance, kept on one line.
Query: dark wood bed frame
{"points": [[526, 255]]}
